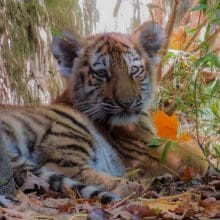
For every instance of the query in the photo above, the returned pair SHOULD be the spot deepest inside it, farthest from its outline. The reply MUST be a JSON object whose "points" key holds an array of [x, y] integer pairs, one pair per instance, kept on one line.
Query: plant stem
{"points": [[168, 31]]}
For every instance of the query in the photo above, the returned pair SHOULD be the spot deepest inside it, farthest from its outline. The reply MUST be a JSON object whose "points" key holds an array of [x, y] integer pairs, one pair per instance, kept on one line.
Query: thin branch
{"points": [[195, 35], [168, 31], [210, 38]]}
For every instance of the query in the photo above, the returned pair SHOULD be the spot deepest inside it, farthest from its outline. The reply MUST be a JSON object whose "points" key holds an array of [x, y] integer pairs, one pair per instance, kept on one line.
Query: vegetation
{"points": [[191, 85]]}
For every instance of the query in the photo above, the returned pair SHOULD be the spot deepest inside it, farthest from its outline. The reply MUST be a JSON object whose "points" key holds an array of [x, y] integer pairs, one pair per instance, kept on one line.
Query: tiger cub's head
{"points": [[110, 75]]}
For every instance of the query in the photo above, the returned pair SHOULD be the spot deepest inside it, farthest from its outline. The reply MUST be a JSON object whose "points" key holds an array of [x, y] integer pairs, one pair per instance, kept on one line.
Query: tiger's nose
{"points": [[126, 103]]}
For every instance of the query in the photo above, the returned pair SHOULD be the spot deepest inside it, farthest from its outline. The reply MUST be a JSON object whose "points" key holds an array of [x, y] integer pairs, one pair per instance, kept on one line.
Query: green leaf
{"points": [[214, 88], [56, 32], [199, 7], [217, 151], [156, 142], [133, 172], [165, 151], [190, 31], [210, 59]]}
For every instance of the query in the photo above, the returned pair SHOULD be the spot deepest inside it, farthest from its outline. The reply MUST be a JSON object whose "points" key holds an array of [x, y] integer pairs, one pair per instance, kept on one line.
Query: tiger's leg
{"points": [[57, 181]]}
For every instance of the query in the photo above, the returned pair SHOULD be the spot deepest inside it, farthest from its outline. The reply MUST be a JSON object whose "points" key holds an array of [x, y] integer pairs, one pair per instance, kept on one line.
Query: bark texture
{"points": [[27, 71]]}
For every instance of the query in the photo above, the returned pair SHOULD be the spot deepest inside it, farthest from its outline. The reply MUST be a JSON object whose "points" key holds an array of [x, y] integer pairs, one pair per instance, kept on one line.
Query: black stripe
{"points": [[127, 155], [51, 119], [67, 126], [68, 163], [136, 148], [90, 93], [73, 120], [31, 142], [130, 153], [75, 147], [95, 193], [98, 50], [145, 114], [72, 135], [63, 162], [79, 187], [146, 129]]}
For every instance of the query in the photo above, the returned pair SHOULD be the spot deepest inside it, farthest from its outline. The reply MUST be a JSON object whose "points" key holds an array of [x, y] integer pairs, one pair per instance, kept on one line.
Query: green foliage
{"points": [[195, 97], [156, 142], [167, 147], [168, 144]]}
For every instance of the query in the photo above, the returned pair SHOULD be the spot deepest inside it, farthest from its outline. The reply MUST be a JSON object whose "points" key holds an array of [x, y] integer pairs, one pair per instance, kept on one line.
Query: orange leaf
{"points": [[166, 126], [178, 38], [188, 174], [184, 137]]}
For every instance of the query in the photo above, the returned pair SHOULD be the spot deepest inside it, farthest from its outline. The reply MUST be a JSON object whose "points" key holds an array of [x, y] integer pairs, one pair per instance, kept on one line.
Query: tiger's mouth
{"points": [[124, 118]]}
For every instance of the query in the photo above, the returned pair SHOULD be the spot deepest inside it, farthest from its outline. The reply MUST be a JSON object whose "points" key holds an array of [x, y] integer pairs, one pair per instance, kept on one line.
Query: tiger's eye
{"points": [[101, 73], [134, 70]]}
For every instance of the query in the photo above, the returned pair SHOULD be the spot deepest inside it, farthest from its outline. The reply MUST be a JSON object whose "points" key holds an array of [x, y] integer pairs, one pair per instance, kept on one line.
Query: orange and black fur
{"points": [[98, 128]]}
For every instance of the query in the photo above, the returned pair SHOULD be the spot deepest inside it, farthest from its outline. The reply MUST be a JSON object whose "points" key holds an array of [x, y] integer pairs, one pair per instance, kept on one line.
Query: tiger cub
{"points": [[96, 129], [110, 79]]}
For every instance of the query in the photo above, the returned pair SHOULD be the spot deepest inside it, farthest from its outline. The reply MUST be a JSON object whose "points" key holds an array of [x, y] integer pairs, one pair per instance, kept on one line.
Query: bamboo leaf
{"points": [[166, 150]]}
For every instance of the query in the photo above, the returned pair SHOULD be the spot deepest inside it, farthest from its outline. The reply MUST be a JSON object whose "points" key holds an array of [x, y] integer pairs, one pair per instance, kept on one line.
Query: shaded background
{"points": [[27, 68]]}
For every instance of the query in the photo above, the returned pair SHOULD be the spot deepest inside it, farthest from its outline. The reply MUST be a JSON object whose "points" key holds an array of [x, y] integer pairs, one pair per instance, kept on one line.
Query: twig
{"points": [[122, 201], [195, 35], [207, 40], [169, 29]]}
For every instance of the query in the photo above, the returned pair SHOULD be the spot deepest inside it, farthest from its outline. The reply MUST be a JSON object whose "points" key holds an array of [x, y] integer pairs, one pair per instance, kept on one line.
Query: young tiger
{"points": [[97, 129], [110, 78]]}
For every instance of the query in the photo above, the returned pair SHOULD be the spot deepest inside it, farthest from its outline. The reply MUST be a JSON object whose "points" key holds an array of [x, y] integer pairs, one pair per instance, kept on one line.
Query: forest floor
{"points": [[189, 197]]}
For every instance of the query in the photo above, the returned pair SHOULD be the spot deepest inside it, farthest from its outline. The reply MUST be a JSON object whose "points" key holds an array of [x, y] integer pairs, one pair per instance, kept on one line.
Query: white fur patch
{"points": [[117, 120], [99, 62], [3, 201], [106, 158], [132, 59], [86, 191], [70, 182]]}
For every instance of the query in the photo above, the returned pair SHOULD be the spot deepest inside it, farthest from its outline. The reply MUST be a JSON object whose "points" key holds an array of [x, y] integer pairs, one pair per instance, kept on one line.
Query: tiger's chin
{"points": [[120, 120]]}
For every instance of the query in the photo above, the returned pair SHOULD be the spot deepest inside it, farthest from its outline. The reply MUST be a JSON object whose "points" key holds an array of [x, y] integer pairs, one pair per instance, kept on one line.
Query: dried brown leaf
{"points": [[32, 181]]}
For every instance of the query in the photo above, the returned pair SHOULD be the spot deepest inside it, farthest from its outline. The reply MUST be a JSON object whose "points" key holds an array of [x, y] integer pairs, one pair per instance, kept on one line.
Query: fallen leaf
{"points": [[208, 201], [172, 215], [170, 203], [12, 214], [142, 211], [188, 174], [212, 210], [32, 182]]}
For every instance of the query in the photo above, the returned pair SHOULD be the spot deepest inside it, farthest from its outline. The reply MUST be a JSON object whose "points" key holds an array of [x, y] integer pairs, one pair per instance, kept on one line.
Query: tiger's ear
{"points": [[66, 49], [148, 38]]}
